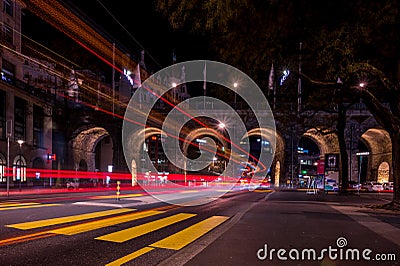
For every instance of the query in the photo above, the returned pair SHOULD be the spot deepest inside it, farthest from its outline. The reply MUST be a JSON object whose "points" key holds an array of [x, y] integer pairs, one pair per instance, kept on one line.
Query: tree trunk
{"points": [[395, 137], [344, 160]]}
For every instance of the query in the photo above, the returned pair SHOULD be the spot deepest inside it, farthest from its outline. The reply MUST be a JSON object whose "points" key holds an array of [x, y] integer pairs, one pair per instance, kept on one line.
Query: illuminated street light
{"points": [[221, 125], [362, 85], [174, 84], [235, 85]]}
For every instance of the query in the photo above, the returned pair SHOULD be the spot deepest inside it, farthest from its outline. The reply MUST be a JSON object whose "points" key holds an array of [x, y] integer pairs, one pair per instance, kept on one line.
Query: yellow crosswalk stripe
{"points": [[190, 234], [130, 257], [263, 190], [85, 227], [67, 219], [28, 206], [4, 205], [136, 231]]}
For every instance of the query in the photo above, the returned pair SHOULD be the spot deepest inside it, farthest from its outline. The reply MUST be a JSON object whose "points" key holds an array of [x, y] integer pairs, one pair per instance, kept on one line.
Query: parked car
{"points": [[354, 185], [331, 185], [372, 186], [265, 184], [388, 186], [72, 184]]}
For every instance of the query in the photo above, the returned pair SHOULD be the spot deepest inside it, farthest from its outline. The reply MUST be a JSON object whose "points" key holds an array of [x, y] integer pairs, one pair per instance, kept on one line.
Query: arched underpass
{"points": [[379, 159]]}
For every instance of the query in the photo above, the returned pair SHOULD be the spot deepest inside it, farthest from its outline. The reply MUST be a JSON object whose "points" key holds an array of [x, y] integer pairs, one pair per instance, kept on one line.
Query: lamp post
{"points": [[9, 135], [20, 142], [235, 85]]}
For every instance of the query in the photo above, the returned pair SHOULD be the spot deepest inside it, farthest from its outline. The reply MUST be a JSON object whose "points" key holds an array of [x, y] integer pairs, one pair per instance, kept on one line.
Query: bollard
{"points": [[118, 187]]}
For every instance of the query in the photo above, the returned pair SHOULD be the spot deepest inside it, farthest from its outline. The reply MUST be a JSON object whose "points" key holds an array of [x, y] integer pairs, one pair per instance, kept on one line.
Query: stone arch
{"points": [[82, 165], [379, 145], [383, 172], [134, 144], [84, 144], [327, 142], [194, 134], [278, 146], [19, 168], [277, 176]]}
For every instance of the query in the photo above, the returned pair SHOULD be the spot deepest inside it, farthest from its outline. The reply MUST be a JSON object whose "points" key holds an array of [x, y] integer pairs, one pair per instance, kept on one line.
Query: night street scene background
{"points": [[196, 132]]}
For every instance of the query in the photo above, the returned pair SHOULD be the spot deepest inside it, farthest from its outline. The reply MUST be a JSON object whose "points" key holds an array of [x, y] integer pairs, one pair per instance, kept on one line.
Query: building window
{"points": [[20, 119], [3, 162], [7, 71], [8, 34], [2, 114], [38, 117], [8, 7]]}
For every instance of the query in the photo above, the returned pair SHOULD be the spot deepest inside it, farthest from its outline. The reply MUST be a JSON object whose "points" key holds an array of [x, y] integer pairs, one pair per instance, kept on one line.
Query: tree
{"points": [[350, 40]]}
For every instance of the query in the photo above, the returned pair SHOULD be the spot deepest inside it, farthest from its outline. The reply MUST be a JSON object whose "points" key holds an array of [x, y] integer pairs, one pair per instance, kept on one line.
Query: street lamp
{"points": [[235, 85], [20, 142]]}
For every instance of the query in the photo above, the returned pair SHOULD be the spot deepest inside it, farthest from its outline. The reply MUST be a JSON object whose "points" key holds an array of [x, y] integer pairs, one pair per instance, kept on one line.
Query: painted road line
{"points": [[189, 191], [24, 238], [114, 196], [85, 227], [136, 231], [130, 257], [105, 204], [190, 234], [29, 206], [67, 219], [4, 205], [262, 190]]}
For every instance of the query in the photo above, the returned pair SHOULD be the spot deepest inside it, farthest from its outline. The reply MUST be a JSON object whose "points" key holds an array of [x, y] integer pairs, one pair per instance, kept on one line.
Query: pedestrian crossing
{"points": [[6, 206], [136, 231], [67, 219], [113, 217]]}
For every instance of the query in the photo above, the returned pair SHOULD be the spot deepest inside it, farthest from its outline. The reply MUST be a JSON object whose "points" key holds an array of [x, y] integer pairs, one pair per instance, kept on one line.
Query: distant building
{"points": [[25, 104]]}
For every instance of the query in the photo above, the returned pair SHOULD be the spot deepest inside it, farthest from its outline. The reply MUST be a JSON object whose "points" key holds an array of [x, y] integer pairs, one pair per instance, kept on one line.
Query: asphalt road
{"points": [[240, 228]]}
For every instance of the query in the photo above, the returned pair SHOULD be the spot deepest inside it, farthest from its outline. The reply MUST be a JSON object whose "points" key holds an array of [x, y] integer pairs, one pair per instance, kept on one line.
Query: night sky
{"points": [[139, 26]]}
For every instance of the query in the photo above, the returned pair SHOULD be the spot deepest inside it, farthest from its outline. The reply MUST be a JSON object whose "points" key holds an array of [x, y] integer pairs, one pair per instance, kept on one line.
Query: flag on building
{"points": [[137, 82], [271, 81]]}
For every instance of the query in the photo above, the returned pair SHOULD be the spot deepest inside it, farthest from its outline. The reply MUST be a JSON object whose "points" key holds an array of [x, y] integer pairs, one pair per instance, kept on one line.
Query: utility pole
{"points": [[9, 135], [299, 84]]}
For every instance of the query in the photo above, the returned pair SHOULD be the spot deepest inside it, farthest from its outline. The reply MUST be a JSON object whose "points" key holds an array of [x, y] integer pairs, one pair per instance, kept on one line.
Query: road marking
{"points": [[104, 204], [3, 205], [263, 190], [85, 227], [66, 219], [24, 238], [130, 257], [114, 196], [190, 234], [136, 231], [29, 206]]}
